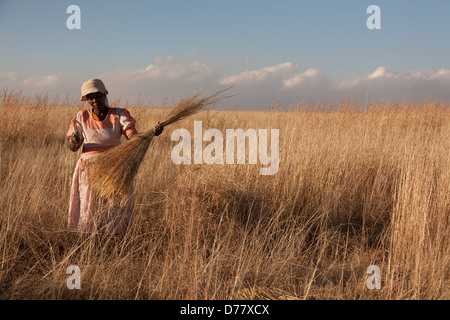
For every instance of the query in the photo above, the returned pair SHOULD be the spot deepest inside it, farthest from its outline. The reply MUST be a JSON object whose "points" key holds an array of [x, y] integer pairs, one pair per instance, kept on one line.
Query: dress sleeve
{"points": [[127, 123]]}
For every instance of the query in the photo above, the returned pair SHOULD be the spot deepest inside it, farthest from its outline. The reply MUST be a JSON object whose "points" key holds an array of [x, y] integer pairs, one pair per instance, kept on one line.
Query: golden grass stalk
{"points": [[112, 173], [265, 293]]}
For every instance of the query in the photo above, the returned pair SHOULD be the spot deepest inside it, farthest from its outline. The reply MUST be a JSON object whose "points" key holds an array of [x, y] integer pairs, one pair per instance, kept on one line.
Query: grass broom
{"points": [[112, 173]]}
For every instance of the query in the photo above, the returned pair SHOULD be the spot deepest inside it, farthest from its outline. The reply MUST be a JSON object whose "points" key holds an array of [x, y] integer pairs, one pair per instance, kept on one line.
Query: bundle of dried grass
{"points": [[112, 173]]}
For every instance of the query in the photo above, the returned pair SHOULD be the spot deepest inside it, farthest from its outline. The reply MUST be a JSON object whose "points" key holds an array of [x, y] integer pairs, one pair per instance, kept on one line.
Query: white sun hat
{"points": [[92, 86]]}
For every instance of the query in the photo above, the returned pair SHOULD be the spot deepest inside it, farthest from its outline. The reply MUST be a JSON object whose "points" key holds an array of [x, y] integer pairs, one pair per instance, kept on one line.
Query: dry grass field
{"points": [[353, 189]]}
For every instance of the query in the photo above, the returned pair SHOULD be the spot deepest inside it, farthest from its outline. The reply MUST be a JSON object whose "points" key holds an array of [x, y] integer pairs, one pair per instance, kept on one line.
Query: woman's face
{"points": [[97, 101]]}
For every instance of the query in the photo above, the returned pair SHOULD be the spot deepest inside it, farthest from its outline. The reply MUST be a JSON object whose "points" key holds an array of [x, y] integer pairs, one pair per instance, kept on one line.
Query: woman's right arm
{"points": [[74, 139]]}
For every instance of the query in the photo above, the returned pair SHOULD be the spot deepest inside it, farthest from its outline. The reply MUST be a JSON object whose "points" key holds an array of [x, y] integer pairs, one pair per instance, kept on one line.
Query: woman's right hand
{"points": [[74, 142], [75, 138]]}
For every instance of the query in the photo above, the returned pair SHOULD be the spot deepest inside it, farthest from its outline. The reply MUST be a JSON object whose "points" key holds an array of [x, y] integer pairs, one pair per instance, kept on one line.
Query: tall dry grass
{"points": [[354, 189]]}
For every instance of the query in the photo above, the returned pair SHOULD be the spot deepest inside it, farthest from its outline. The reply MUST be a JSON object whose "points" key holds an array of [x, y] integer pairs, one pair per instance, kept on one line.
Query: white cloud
{"points": [[247, 62], [46, 82], [33, 85], [172, 69], [380, 72], [257, 76], [386, 84], [313, 76], [443, 73]]}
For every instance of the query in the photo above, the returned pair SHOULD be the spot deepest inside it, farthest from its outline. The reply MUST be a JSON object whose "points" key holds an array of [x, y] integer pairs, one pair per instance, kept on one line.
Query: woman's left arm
{"points": [[127, 124]]}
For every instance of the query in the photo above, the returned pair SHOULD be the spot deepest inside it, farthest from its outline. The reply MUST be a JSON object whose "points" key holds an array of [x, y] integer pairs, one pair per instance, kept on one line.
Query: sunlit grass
{"points": [[353, 189]]}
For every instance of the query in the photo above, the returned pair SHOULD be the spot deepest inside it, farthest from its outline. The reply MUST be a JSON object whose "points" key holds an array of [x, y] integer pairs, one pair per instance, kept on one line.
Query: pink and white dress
{"points": [[88, 212]]}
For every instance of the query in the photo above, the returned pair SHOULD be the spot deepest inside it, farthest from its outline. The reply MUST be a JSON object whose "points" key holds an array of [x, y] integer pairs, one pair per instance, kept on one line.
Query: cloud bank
{"points": [[17, 80], [165, 77], [253, 89]]}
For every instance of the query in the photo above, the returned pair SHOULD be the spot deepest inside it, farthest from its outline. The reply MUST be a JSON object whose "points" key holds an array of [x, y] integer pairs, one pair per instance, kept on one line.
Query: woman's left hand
{"points": [[158, 129]]}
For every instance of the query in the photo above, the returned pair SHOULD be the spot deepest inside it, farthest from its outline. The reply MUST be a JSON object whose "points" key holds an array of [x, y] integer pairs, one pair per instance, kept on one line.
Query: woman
{"points": [[97, 130]]}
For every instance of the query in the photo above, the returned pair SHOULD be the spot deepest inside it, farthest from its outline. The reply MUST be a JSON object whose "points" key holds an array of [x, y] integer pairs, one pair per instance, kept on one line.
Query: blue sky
{"points": [[296, 49]]}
